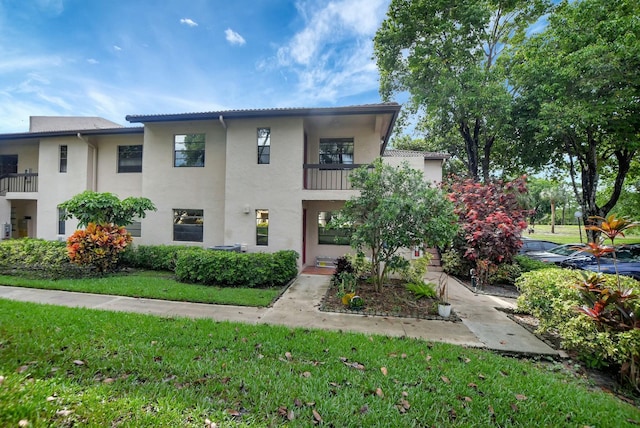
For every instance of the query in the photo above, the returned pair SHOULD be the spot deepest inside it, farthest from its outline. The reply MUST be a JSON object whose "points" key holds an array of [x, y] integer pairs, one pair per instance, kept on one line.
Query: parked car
{"points": [[556, 254], [627, 259], [529, 244]]}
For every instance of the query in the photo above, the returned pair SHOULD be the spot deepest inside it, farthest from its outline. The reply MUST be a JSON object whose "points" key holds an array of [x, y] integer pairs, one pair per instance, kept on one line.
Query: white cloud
{"points": [[234, 38], [332, 55], [117, 48], [93, 61], [189, 22]]}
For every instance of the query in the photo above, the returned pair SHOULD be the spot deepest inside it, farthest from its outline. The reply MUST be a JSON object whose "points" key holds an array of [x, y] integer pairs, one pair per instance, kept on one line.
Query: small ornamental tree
{"points": [[105, 216], [491, 219], [396, 209]]}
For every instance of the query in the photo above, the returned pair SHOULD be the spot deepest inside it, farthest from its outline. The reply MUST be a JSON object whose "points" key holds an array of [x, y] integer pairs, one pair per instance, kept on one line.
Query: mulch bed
{"points": [[394, 301]]}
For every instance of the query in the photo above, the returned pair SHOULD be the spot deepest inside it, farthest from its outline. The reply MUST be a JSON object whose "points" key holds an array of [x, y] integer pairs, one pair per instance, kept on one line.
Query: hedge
{"points": [[37, 257], [155, 257], [230, 269]]}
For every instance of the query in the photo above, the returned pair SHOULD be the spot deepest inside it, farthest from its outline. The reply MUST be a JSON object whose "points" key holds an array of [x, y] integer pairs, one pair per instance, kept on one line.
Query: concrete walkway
{"points": [[482, 325]]}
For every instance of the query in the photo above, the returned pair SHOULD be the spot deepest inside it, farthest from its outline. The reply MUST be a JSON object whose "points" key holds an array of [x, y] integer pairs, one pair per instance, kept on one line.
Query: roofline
{"points": [[69, 133], [386, 108]]}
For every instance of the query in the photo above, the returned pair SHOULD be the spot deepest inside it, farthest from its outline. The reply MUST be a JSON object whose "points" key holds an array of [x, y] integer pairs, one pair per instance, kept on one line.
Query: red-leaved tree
{"points": [[491, 221]]}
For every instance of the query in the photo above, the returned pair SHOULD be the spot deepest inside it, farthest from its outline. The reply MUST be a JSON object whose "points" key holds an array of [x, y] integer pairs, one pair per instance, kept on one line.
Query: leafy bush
{"points": [[37, 257], [554, 297], [360, 264], [453, 264], [98, 246], [491, 219], [155, 257], [527, 264], [223, 268], [505, 273]]}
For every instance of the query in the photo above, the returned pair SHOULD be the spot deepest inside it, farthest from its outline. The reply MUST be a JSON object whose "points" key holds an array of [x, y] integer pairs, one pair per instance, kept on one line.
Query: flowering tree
{"points": [[105, 217], [491, 220]]}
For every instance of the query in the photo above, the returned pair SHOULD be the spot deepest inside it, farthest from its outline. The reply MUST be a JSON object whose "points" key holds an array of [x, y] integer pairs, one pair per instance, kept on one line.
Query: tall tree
{"points": [[443, 52], [578, 86]]}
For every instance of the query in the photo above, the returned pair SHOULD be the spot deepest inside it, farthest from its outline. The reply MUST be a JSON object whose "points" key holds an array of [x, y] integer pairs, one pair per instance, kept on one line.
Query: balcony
{"points": [[18, 183], [329, 176]]}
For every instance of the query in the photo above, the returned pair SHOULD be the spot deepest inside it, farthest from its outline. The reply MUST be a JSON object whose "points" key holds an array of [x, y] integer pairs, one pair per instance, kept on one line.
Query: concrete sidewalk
{"points": [[482, 325]]}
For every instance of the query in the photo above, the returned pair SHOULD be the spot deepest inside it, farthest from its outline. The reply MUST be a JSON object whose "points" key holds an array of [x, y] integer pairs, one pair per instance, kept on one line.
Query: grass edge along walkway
{"points": [[152, 285], [70, 366]]}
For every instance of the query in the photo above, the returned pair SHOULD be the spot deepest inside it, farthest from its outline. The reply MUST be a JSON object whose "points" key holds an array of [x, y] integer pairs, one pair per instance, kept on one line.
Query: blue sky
{"points": [[111, 58]]}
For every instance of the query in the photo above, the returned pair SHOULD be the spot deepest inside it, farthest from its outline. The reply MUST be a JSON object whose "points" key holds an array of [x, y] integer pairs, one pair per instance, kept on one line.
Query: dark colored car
{"points": [[556, 254], [536, 245], [627, 258]]}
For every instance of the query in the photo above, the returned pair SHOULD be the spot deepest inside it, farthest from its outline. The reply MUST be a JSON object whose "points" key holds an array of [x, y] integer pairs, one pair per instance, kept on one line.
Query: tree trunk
{"points": [[471, 148], [553, 216]]}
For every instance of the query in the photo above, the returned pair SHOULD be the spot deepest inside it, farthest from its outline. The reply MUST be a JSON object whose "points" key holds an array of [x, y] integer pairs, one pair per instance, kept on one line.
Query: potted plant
{"points": [[444, 307]]}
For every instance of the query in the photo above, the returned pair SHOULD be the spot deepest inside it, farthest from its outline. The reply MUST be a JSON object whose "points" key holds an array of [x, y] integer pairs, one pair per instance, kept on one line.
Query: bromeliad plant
{"points": [[613, 309]]}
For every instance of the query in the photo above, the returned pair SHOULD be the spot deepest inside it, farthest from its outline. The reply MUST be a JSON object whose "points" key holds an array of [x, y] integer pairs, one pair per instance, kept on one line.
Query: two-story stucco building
{"points": [[265, 179]]}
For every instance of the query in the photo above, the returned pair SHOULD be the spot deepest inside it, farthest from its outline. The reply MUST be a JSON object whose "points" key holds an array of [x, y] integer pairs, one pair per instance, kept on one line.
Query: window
{"points": [[264, 145], [62, 224], [187, 225], [130, 158], [262, 227], [63, 158], [333, 231], [188, 150], [336, 150], [135, 229]]}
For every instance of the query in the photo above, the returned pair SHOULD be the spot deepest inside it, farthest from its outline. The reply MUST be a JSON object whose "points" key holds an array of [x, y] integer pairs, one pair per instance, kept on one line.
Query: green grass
{"points": [[570, 234], [77, 367], [153, 285]]}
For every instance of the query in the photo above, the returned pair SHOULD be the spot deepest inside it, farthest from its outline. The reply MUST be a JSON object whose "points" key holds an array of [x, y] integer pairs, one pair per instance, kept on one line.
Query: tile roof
{"points": [[397, 153]]}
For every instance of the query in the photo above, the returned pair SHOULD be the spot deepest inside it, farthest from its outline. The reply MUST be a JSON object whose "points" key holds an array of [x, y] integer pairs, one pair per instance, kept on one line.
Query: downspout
{"points": [[94, 161], [221, 119]]}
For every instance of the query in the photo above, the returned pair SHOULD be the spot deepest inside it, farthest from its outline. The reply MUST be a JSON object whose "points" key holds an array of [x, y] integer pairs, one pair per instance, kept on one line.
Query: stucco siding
{"points": [[275, 186], [170, 187], [109, 180]]}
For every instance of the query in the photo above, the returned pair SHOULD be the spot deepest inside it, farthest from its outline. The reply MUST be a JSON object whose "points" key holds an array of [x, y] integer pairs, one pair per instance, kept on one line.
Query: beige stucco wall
{"points": [[275, 186], [55, 187], [108, 179], [172, 188], [27, 154]]}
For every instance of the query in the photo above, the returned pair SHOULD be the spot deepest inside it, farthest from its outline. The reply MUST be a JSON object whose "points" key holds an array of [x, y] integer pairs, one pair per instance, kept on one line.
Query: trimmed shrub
{"points": [[155, 257], [37, 257], [230, 269], [527, 264]]}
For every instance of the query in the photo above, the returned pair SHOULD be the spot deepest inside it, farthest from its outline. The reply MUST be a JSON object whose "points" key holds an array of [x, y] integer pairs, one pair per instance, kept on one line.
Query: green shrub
{"points": [[155, 257], [37, 257], [224, 268], [552, 297], [454, 264], [527, 264], [505, 273]]}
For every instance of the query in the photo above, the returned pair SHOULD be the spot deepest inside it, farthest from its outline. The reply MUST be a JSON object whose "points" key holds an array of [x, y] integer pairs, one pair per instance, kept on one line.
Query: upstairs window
{"points": [[130, 158], [336, 151], [188, 150], [262, 227], [264, 145], [63, 158], [188, 225]]}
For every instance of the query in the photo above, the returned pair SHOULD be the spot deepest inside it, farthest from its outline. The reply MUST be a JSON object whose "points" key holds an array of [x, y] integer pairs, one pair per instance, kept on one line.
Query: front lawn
{"points": [[68, 367], [152, 285]]}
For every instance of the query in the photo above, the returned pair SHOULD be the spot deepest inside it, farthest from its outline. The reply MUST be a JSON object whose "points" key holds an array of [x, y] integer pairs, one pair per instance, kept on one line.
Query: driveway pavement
{"points": [[482, 324]]}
